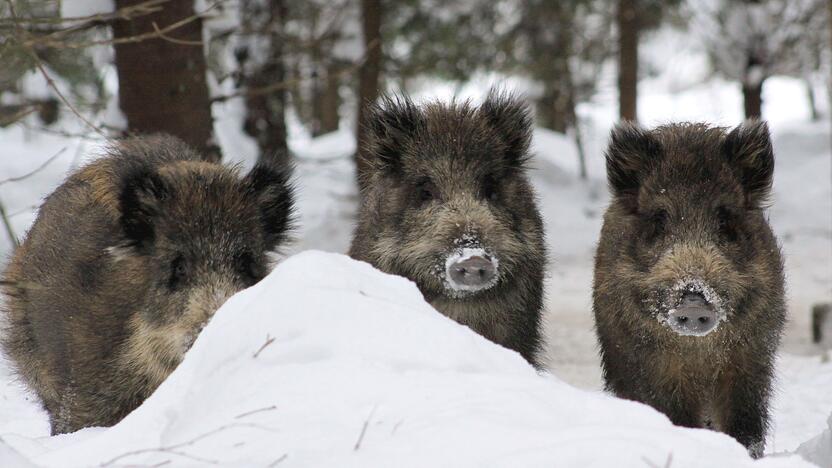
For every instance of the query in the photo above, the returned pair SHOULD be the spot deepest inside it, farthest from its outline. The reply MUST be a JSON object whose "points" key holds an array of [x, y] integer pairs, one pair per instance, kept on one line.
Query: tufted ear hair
{"points": [[631, 153], [748, 149], [270, 187], [388, 125], [143, 191], [511, 117]]}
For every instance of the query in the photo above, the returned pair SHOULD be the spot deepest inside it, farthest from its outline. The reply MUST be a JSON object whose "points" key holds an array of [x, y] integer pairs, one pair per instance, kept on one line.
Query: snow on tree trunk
{"points": [[162, 85]]}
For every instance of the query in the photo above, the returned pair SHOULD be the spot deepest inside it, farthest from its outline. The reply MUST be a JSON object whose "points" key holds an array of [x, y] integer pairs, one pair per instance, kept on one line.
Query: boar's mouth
{"points": [[696, 309], [470, 270]]}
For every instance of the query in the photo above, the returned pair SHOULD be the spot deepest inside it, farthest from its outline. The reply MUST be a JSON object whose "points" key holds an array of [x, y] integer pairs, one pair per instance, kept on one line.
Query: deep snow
{"points": [[328, 362]]}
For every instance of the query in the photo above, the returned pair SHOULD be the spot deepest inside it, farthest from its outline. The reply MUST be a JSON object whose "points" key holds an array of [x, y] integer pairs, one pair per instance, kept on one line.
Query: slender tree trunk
{"points": [[162, 85], [265, 118], [553, 110], [325, 100], [331, 101], [813, 104], [752, 94], [369, 74], [628, 31]]}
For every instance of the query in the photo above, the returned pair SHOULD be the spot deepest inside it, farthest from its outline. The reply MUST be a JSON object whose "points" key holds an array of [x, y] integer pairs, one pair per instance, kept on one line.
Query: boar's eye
{"points": [[489, 189], [426, 191], [726, 222], [177, 272], [655, 225]]}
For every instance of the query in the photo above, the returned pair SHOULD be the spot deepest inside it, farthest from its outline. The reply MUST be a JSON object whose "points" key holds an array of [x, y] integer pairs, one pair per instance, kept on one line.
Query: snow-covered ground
{"points": [[360, 348], [327, 363]]}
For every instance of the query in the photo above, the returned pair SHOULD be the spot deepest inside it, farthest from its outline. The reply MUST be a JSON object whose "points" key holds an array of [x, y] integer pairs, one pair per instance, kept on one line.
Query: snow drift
{"points": [[328, 362]]}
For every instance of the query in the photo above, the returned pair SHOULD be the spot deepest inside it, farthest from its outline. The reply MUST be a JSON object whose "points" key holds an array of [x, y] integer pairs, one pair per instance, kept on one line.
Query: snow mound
{"points": [[819, 449], [329, 362]]}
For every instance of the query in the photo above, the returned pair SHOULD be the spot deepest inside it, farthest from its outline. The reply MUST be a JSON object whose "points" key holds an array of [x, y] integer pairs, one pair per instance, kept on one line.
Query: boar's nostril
{"points": [[682, 319]]}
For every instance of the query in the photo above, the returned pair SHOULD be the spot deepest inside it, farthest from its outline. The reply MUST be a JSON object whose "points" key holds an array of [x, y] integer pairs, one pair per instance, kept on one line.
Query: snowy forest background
{"points": [[249, 79]]}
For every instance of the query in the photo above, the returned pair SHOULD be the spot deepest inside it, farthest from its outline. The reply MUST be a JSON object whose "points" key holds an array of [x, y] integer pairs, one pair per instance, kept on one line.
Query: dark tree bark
{"points": [[370, 72], [752, 94], [330, 100], [162, 85], [265, 119], [325, 100], [628, 32]]}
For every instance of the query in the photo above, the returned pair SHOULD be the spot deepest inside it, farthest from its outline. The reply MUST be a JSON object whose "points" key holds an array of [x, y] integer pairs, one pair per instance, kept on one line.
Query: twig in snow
{"points": [[269, 340], [279, 460], [396, 427], [38, 169], [667, 463], [174, 449], [249, 413], [364, 429]]}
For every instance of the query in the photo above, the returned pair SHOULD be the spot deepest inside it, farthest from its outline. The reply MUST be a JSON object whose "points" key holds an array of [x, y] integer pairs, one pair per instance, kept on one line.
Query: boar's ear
{"points": [[388, 125], [142, 193], [748, 149], [629, 156], [512, 119], [270, 186]]}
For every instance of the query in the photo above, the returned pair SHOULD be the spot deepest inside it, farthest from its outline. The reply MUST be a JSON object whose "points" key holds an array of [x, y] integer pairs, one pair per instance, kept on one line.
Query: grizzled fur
{"points": [[124, 265], [688, 207], [448, 176]]}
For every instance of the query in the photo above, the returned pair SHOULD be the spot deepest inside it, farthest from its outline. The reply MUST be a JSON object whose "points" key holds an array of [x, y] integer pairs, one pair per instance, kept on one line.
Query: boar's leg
{"points": [[747, 414]]}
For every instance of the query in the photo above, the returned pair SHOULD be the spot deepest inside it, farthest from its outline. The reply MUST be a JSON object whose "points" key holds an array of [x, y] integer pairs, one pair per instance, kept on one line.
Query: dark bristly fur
{"points": [[124, 265], [688, 203], [442, 172]]}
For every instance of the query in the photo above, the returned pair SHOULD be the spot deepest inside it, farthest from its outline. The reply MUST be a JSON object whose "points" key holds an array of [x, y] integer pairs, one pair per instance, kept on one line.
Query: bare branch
{"points": [[249, 92], [31, 41], [279, 460], [269, 340], [249, 413], [174, 449], [164, 36], [35, 171], [364, 429], [39, 64], [83, 22]]}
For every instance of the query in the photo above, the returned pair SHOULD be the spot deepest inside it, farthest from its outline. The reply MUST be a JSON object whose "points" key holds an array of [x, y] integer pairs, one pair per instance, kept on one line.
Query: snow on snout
{"points": [[694, 285], [469, 253]]}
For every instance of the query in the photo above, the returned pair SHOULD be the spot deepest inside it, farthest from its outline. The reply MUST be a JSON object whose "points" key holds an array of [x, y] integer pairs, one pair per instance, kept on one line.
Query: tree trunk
{"points": [[553, 110], [325, 100], [265, 118], [331, 100], [752, 94], [371, 12], [813, 105], [162, 85], [628, 29]]}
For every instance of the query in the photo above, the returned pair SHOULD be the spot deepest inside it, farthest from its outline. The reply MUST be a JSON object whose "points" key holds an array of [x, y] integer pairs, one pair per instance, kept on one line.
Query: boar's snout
{"points": [[473, 271], [470, 270], [694, 316]]}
